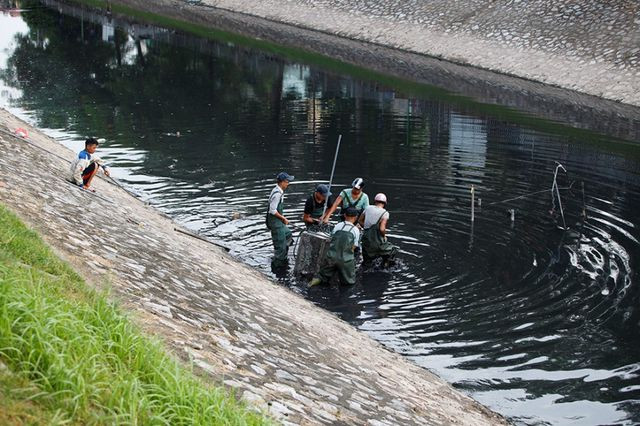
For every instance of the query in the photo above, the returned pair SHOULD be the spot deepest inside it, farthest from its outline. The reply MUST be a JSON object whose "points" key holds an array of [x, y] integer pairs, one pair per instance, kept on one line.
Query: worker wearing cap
{"points": [[277, 223], [374, 220], [314, 207], [340, 257], [353, 197]]}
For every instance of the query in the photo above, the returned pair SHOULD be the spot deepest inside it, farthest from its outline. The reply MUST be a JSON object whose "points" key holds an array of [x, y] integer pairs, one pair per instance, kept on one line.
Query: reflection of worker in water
{"points": [[314, 206], [353, 197], [374, 220], [277, 223], [340, 257]]}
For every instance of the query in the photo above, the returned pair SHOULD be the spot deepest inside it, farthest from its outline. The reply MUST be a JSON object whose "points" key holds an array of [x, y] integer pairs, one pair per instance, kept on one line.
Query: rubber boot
{"points": [[315, 281]]}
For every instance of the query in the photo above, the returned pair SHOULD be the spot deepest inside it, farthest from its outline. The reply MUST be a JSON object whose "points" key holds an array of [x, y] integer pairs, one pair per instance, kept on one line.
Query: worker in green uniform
{"points": [[374, 220], [340, 256], [277, 223], [353, 197], [314, 207]]}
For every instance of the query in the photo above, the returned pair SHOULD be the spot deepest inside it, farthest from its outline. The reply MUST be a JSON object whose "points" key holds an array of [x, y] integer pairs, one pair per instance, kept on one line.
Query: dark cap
{"points": [[323, 189], [351, 211], [284, 176]]}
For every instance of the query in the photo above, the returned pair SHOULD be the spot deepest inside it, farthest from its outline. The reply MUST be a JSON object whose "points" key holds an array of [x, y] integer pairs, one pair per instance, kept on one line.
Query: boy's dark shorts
{"points": [[88, 172]]}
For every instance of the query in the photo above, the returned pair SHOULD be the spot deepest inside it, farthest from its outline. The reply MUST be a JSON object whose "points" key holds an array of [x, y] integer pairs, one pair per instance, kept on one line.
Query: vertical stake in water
{"points": [[473, 203], [333, 169], [584, 206], [473, 216], [555, 186]]}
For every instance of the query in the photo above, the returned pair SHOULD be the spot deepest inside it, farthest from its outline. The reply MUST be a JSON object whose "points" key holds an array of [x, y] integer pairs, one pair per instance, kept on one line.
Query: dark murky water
{"points": [[539, 324]]}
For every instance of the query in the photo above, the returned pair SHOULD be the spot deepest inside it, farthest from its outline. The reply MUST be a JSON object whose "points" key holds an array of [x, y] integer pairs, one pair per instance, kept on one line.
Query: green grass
{"points": [[74, 358], [17, 406]]}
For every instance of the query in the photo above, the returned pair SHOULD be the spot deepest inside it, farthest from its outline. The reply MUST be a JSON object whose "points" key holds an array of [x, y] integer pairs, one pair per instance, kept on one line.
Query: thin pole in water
{"points": [[473, 203], [333, 169], [584, 207]]}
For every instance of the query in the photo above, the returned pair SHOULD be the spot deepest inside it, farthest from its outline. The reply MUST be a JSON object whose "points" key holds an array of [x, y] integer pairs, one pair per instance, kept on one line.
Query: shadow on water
{"points": [[538, 323]]}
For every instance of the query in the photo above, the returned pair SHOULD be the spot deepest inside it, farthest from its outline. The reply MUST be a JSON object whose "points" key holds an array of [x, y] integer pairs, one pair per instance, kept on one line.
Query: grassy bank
{"points": [[71, 355]]}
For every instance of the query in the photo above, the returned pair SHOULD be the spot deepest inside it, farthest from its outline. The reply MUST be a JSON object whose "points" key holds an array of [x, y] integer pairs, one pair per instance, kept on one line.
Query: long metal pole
{"points": [[333, 169]]}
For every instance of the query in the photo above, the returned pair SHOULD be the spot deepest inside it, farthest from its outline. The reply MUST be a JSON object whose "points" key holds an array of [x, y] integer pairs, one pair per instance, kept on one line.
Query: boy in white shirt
{"points": [[86, 165]]}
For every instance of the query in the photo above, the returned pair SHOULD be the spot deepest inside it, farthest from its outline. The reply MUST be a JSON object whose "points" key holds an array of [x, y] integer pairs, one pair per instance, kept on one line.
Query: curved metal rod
{"points": [[557, 192]]}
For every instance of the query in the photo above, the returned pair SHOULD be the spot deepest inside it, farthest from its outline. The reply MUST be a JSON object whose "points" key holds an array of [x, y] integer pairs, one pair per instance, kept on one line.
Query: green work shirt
{"points": [[360, 204]]}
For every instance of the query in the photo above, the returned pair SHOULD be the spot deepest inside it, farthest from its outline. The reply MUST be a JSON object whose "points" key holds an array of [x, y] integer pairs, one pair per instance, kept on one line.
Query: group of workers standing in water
{"points": [[346, 237]]}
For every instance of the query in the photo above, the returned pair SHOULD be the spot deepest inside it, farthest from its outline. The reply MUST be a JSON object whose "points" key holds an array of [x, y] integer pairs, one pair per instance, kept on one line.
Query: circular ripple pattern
{"points": [[535, 321], [539, 322]]}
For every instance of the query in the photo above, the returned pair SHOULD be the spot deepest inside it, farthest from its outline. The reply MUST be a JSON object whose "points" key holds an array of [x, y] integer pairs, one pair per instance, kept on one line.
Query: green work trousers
{"points": [[375, 245], [346, 270], [340, 259], [281, 237]]}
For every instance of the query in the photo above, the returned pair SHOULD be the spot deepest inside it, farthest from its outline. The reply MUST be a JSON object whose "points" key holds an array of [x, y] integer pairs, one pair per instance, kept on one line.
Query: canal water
{"points": [[536, 317]]}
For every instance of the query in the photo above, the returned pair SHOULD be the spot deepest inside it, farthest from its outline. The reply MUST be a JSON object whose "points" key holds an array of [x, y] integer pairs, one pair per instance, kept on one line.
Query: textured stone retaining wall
{"points": [[589, 46]]}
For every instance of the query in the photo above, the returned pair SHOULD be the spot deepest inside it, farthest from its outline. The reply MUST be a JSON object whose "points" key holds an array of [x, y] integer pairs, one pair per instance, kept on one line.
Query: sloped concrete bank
{"points": [[588, 46], [278, 350], [579, 63]]}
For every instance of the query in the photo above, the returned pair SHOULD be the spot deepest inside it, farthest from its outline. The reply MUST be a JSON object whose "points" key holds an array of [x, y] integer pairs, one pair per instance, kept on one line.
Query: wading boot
{"points": [[315, 281]]}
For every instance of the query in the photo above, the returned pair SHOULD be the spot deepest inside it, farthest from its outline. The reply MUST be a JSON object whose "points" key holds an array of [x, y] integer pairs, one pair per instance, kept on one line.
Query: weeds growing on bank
{"points": [[73, 356]]}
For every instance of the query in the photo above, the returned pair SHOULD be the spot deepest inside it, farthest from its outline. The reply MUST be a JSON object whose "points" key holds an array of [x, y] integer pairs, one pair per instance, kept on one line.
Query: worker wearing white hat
{"points": [[374, 220], [350, 197]]}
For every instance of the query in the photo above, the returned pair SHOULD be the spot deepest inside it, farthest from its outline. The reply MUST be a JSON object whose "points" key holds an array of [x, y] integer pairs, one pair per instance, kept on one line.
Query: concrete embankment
{"points": [[589, 46], [278, 350], [560, 60]]}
